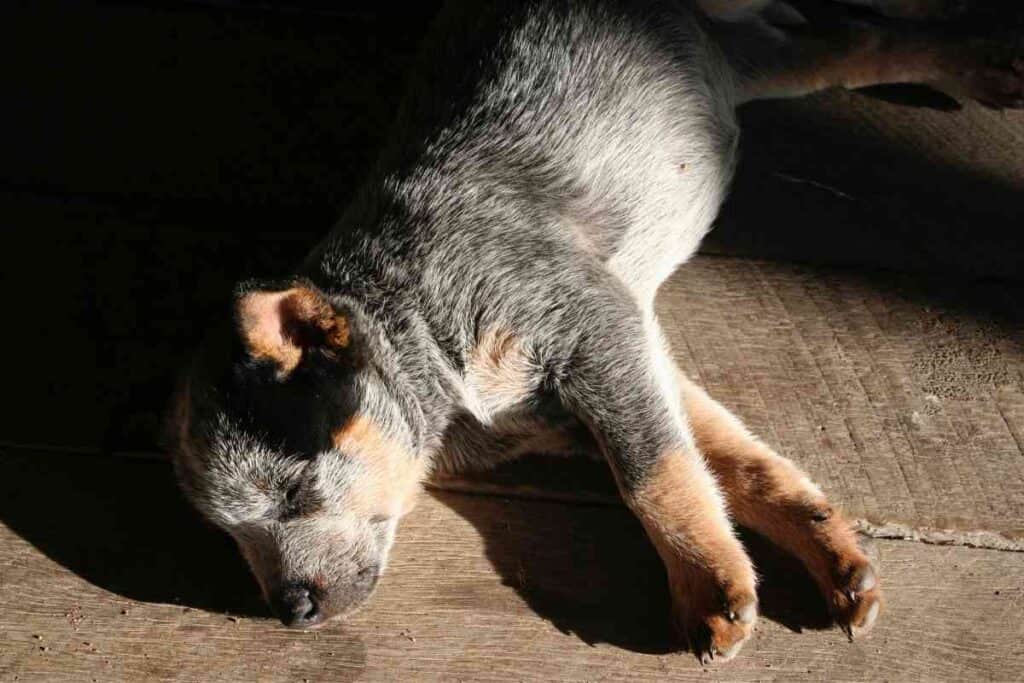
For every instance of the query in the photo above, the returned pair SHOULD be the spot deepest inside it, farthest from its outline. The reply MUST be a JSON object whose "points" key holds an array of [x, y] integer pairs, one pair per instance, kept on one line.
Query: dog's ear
{"points": [[281, 326]]}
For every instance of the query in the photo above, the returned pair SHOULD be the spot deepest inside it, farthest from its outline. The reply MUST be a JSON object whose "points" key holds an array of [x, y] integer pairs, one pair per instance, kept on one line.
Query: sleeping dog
{"points": [[490, 292]]}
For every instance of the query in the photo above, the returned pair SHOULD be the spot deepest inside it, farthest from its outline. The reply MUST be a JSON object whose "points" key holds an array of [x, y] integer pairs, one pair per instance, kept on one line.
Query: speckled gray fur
{"points": [[552, 164]]}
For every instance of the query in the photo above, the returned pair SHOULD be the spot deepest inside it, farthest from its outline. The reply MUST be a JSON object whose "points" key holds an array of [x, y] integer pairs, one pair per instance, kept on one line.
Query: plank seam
{"points": [[981, 539]]}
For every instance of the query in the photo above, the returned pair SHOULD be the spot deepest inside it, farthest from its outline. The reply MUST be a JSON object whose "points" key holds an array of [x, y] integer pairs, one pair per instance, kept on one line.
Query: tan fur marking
{"points": [[684, 519], [259, 322], [710, 576], [306, 308], [771, 495], [277, 326], [393, 473], [499, 370]]}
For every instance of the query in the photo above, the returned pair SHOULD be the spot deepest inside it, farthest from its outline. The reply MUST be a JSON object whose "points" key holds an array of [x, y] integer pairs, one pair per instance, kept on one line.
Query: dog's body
{"points": [[490, 292]]}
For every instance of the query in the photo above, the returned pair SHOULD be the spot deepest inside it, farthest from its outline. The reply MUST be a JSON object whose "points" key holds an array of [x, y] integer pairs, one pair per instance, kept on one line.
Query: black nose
{"points": [[297, 606]]}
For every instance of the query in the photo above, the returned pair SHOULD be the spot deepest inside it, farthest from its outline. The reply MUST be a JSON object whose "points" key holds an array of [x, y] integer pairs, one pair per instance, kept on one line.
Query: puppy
{"points": [[490, 292]]}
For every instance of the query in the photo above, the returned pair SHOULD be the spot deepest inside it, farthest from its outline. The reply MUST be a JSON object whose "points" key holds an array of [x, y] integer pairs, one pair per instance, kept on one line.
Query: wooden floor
{"points": [[122, 583], [141, 180], [903, 398]]}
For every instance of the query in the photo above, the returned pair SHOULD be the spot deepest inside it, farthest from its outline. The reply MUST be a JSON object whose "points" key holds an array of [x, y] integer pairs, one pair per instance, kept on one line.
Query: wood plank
{"points": [[105, 575], [903, 396]]}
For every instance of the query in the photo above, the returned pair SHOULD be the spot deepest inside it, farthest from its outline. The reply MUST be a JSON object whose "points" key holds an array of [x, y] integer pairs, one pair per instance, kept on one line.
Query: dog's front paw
{"points": [[857, 599], [714, 618]]}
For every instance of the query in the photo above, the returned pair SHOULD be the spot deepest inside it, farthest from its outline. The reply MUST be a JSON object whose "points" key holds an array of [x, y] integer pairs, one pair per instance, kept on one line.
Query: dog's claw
{"points": [[859, 603]]}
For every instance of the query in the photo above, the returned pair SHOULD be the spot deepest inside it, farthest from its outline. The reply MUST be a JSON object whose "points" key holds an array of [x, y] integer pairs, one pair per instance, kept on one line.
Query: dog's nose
{"points": [[297, 606]]}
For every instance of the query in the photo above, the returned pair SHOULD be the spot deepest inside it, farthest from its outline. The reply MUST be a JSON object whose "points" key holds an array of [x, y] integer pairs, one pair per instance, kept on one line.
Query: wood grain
{"points": [[903, 396], [105, 575]]}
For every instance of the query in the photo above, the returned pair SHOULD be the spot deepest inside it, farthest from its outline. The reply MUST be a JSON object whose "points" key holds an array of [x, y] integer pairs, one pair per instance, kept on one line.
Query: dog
{"points": [[490, 292]]}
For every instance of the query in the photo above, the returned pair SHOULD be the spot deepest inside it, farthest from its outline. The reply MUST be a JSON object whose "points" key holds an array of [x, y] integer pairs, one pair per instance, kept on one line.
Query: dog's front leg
{"points": [[617, 381], [772, 496]]}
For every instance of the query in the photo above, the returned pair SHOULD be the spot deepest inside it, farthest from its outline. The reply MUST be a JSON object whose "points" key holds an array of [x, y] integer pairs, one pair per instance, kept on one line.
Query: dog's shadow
{"points": [[122, 525], [590, 570]]}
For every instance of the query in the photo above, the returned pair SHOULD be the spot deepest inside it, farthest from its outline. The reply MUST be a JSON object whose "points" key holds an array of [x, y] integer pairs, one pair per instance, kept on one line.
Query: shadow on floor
{"points": [[122, 525], [590, 570]]}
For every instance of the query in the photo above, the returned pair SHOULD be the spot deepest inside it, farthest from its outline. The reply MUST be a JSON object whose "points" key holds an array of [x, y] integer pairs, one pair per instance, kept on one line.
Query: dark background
{"points": [[154, 153]]}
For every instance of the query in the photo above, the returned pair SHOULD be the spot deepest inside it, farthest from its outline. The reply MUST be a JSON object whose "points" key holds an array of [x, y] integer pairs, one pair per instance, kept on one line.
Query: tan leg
{"points": [[711, 578], [857, 55], [770, 495]]}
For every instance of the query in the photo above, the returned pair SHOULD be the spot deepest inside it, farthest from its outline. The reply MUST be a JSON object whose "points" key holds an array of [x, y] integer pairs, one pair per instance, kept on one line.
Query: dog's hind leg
{"points": [[770, 495], [855, 54]]}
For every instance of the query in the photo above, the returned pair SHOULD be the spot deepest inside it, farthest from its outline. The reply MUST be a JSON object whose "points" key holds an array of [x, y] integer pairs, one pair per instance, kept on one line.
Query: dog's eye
{"points": [[299, 499], [379, 519]]}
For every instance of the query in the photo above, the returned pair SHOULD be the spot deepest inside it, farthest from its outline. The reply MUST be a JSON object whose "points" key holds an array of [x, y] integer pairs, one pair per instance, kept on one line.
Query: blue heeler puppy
{"points": [[490, 291]]}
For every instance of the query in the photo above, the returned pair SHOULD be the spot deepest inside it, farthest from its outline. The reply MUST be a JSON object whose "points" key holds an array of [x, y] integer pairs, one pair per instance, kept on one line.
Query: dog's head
{"points": [[286, 436]]}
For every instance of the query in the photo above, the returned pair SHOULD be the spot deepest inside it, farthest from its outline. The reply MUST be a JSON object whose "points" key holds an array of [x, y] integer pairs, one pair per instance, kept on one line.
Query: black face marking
{"points": [[294, 415]]}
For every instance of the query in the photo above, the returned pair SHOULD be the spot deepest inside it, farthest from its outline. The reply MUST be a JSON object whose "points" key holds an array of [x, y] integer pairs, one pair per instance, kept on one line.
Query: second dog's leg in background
{"points": [[770, 495], [854, 54]]}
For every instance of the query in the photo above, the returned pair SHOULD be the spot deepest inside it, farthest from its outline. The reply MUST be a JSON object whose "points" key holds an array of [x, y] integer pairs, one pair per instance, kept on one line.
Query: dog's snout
{"points": [[297, 606], [303, 605]]}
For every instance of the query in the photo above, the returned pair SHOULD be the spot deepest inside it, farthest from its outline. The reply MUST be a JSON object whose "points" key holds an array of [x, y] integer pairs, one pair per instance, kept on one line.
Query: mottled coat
{"points": [[490, 292]]}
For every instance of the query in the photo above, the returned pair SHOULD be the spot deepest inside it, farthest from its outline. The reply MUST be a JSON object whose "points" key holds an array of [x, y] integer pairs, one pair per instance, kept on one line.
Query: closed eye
{"points": [[292, 501], [301, 497], [291, 494]]}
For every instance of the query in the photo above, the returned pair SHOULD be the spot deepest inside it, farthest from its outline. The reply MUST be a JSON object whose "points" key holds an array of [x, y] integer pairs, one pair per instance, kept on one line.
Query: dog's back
{"points": [[603, 129]]}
